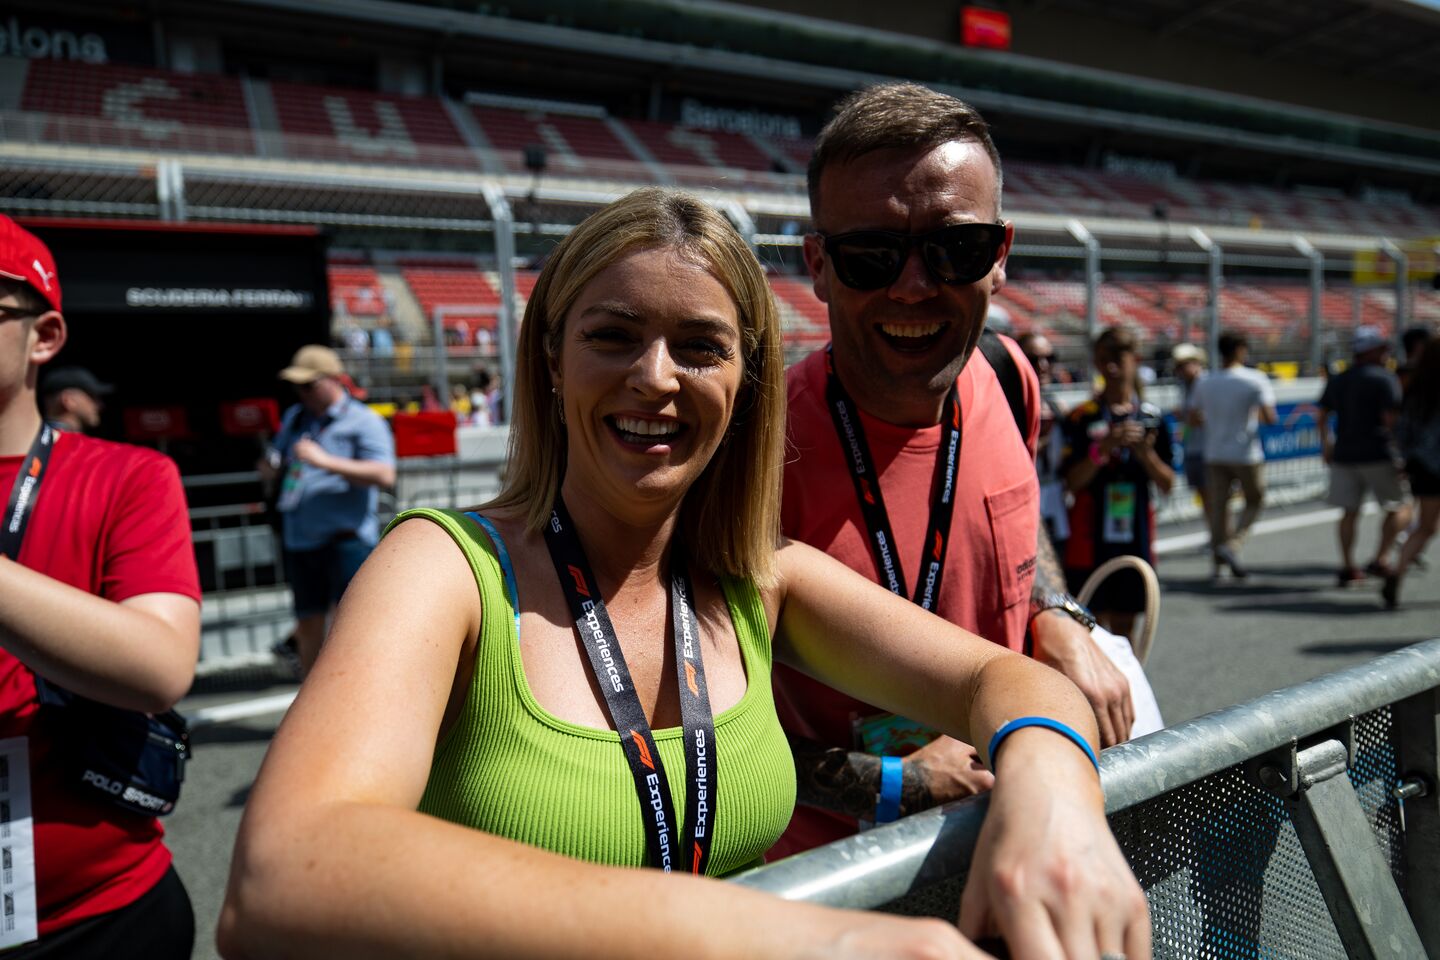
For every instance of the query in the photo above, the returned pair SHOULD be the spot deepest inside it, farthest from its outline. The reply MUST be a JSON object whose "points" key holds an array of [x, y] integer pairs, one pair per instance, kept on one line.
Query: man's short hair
{"points": [[896, 115], [1114, 341], [1230, 342], [27, 298]]}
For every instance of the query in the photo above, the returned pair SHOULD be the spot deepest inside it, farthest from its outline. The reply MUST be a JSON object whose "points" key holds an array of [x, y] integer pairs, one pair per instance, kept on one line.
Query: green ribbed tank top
{"points": [[509, 767]]}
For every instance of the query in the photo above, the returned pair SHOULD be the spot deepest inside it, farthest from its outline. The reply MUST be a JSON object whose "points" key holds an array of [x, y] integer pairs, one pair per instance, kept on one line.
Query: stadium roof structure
{"points": [[1393, 40]]}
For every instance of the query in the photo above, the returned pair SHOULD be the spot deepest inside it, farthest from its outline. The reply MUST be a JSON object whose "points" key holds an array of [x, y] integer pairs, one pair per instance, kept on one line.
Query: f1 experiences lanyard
{"points": [[24, 492], [872, 505], [608, 663]]}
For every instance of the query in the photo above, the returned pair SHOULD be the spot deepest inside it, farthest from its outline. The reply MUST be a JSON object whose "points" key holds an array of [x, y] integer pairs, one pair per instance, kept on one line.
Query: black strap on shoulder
{"points": [[1009, 376]]}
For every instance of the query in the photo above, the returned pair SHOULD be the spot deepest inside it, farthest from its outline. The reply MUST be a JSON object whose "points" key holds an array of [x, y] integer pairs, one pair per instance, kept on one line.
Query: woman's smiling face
{"points": [[649, 368]]}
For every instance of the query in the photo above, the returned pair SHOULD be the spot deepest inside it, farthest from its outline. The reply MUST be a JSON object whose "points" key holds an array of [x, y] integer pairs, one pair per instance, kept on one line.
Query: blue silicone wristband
{"points": [[1048, 724], [892, 775]]}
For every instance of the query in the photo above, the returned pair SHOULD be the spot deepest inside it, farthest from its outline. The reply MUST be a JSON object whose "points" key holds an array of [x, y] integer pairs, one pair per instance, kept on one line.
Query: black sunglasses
{"points": [[872, 259]]}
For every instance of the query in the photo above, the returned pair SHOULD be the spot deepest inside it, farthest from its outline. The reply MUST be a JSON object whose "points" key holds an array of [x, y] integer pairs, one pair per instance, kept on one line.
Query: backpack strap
{"points": [[1008, 374]]}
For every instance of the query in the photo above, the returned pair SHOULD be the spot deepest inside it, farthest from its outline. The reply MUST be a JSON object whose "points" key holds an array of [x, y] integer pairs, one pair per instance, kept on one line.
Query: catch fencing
{"points": [[1304, 824]]}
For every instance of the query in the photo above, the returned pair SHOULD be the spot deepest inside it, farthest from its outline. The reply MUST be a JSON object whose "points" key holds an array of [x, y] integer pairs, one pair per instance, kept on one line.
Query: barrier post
{"points": [[1417, 731], [1370, 915], [1084, 237]]}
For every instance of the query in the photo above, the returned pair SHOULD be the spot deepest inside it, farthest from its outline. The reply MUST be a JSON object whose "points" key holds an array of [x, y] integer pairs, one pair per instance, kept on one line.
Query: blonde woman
{"points": [[519, 706]]}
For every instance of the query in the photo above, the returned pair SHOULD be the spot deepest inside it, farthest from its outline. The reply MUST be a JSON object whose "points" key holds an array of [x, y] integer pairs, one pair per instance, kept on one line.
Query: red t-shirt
{"points": [[989, 565], [109, 519]]}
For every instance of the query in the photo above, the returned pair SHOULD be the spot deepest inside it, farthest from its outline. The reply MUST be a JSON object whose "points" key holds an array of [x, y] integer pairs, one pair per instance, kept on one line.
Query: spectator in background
{"points": [[1230, 405], [1361, 453], [1116, 448], [331, 456], [1050, 447], [1413, 341], [99, 597], [1189, 363], [1418, 433], [72, 398], [382, 340]]}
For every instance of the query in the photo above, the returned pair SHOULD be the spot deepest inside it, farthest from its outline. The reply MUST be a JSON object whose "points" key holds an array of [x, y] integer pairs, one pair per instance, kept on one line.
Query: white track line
{"points": [[1188, 541], [241, 710]]}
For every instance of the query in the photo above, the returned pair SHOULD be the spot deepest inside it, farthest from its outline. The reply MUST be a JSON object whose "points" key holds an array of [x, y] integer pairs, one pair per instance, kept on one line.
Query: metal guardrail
{"points": [[1243, 833]]}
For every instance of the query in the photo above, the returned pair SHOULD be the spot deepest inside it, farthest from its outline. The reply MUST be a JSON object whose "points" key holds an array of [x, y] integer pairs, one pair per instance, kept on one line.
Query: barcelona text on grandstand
{"points": [[192, 297]]}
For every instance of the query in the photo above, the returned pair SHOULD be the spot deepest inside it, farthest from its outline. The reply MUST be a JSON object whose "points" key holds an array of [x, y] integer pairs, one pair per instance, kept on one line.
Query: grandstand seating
{"points": [[138, 107], [356, 290], [334, 123], [147, 108], [456, 287], [804, 320], [572, 144]]}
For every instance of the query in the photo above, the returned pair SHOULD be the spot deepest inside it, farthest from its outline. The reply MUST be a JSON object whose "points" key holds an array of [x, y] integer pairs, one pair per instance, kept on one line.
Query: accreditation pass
{"points": [[18, 916]]}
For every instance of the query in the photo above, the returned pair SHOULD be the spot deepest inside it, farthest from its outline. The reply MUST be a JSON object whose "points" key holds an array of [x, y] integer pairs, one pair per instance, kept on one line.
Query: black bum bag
{"points": [[134, 760]]}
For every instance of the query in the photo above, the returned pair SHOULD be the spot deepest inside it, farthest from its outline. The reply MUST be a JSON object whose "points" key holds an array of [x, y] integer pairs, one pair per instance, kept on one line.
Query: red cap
{"points": [[23, 257]]}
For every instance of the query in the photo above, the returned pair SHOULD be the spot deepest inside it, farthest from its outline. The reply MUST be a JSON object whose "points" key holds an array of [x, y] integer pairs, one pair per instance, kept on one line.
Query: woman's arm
{"points": [[333, 858], [1047, 873]]}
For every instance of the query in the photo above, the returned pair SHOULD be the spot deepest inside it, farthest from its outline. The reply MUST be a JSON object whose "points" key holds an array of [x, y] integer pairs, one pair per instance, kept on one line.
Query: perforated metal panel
{"points": [[1223, 868]]}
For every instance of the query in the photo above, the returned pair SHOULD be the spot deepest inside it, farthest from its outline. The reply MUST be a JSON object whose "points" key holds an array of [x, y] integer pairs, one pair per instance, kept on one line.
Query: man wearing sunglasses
{"points": [[907, 464], [99, 596]]}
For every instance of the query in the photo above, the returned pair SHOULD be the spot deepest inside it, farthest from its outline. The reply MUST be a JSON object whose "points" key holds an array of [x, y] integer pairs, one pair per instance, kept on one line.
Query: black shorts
{"points": [[1121, 592], [158, 926], [1423, 482]]}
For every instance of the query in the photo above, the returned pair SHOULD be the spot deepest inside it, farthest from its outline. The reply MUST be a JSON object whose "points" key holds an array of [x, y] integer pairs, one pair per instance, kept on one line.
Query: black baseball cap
{"points": [[73, 378]]}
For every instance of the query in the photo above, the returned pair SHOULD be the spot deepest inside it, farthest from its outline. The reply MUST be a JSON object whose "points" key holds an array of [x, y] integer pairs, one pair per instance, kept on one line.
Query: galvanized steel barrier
{"points": [[1303, 824]]}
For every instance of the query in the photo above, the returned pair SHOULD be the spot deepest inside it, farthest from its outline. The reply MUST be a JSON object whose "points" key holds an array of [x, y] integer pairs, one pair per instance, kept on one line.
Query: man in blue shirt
{"points": [[331, 456]]}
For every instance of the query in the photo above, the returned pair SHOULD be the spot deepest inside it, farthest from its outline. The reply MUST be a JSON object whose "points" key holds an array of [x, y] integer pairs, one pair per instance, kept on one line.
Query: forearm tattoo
{"points": [[1049, 576], [847, 782]]}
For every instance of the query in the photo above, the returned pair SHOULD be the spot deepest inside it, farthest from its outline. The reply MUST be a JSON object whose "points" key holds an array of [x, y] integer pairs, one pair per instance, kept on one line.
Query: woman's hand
{"points": [[1047, 873], [878, 936]]}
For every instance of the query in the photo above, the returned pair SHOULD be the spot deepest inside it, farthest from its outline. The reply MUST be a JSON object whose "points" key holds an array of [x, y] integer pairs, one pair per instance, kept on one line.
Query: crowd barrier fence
{"points": [[1303, 824]]}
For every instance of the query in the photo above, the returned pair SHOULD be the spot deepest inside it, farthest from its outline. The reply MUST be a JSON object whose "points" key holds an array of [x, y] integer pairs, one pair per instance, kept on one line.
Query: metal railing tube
{"points": [[886, 863], [1145, 768]]}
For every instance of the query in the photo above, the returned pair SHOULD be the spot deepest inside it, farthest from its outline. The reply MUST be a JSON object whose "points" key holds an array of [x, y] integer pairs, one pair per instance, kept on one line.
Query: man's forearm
{"points": [[1049, 575], [847, 781], [115, 653], [365, 473]]}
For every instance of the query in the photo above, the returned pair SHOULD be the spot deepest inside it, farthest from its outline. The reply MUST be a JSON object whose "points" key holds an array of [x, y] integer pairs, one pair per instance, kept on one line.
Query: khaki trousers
{"points": [[1219, 480]]}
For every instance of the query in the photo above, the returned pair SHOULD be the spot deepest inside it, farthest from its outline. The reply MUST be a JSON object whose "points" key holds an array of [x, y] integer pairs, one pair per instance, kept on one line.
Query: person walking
{"points": [[1418, 432], [331, 456], [1361, 452], [1230, 405], [1189, 363]]}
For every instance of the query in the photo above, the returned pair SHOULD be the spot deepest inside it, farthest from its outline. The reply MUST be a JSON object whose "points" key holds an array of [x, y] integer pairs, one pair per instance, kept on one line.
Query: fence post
{"points": [[1417, 735], [504, 221], [1402, 277], [1353, 877], [1317, 291], [1212, 296], [1092, 290]]}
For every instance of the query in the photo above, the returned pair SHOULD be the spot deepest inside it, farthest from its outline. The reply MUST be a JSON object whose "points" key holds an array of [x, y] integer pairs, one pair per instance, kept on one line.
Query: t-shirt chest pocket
{"points": [[1014, 517]]}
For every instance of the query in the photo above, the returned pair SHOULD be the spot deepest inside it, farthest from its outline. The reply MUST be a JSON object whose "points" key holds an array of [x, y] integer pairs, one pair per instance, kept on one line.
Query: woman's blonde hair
{"points": [[730, 519]]}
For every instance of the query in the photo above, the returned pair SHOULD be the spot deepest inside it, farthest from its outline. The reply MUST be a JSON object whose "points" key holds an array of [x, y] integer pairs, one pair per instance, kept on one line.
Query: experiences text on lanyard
{"points": [[603, 648], [872, 505], [24, 492]]}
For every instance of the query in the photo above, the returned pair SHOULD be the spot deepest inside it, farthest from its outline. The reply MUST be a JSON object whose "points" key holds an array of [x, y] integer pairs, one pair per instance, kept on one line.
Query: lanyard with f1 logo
{"points": [[602, 646], [25, 491], [872, 505]]}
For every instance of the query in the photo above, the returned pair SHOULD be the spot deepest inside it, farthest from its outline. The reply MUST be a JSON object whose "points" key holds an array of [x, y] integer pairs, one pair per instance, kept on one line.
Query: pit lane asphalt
{"points": [[1217, 644]]}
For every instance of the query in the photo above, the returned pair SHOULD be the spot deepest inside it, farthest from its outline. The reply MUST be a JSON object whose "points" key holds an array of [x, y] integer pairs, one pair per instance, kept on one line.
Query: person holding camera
{"points": [[1116, 448], [99, 633]]}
